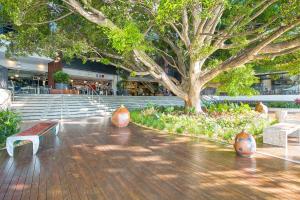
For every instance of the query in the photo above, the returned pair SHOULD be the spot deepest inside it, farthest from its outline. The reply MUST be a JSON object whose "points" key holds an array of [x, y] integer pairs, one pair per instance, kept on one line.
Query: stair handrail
{"points": [[94, 92]]}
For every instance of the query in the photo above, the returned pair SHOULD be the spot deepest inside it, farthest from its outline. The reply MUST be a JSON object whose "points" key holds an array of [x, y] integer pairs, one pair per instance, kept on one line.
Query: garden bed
{"points": [[220, 122]]}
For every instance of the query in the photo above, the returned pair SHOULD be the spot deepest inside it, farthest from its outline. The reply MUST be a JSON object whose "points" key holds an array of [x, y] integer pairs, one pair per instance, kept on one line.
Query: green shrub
{"points": [[228, 107], [222, 122], [280, 104], [61, 77], [9, 124]]}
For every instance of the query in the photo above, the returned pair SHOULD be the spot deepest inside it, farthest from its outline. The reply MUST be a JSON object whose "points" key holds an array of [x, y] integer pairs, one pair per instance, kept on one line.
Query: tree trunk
{"points": [[193, 101]]}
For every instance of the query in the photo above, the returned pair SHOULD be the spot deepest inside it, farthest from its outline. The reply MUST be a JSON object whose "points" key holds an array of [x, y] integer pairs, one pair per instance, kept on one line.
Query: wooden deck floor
{"points": [[92, 160]]}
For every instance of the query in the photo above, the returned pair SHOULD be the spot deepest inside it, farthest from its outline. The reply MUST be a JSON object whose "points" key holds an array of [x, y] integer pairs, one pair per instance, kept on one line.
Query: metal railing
{"points": [[91, 91]]}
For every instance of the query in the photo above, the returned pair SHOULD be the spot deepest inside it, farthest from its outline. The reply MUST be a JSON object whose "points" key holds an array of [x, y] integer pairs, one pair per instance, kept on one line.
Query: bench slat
{"points": [[37, 129]]}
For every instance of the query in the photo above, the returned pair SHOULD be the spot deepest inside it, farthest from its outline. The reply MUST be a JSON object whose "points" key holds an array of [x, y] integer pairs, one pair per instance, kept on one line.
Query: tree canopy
{"points": [[200, 39]]}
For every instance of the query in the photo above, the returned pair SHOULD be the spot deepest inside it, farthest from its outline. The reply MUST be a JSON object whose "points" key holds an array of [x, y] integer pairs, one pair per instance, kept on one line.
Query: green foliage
{"points": [[9, 124], [202, 52], [126, 39], [280, 104], [237, 81], [228, 108], [223, 121], [61, 77], [144, 25], [104, 61], [170, 10], [289, 63], [133, 74]]}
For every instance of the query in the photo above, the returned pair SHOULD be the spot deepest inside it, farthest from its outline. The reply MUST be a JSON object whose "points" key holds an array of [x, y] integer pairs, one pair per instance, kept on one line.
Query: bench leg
{"points": [[35, 145], [10, 146], [299, 136], [11, 140], [56, 129]]}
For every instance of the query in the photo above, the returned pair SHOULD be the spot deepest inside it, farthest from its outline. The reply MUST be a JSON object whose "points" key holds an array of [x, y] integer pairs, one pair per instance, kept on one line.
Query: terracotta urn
{"points": [[244, 144], [261, 108], [120, 117]]}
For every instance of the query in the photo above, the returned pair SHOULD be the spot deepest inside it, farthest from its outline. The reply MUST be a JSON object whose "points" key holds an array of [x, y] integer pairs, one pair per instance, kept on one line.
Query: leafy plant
{"points": [[61, 77], [281, 104], [9, 124], [223, 121]]}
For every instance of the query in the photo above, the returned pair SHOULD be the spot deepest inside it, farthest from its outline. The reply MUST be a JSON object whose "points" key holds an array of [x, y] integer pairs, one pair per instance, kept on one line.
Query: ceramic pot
{"points": [[120, 117], [244, 144], [261, 108]]}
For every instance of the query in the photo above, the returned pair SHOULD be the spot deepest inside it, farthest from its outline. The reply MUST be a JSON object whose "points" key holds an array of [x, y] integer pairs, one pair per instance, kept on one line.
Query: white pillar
{"points": [[114, 84]]}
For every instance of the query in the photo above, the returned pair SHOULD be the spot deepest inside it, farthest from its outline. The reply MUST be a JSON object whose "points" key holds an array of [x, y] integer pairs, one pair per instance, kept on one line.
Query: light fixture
{"points": [[84, 81], [71, 81], [12, 77], [11, 63], [16, 75]]}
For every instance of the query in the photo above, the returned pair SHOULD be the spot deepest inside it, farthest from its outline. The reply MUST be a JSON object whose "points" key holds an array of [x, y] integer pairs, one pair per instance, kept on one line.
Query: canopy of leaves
{"points": [[148, 25], [237, 81]]}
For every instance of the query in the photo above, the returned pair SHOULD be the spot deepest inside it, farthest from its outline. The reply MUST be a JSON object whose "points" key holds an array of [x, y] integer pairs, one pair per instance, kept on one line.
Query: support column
{"points": [[3, 77], [53, 67], [114, 84]]}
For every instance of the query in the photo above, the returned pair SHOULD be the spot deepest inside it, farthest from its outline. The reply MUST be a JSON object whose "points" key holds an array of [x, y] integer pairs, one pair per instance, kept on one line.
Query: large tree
{"points": [[200, 39]]}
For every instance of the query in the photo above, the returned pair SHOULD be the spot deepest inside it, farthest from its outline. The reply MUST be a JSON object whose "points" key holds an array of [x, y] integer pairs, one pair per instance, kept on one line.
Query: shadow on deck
{"points": [[90, 159]]}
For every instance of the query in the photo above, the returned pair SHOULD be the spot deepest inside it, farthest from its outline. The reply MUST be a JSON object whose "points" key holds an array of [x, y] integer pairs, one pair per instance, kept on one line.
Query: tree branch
{"points": [[246, 55], [265, 5], [185, 27], [280, 53], [179, 34], [95, 16], [47, 22], [279, 46], [179, 55], [159, 74]]}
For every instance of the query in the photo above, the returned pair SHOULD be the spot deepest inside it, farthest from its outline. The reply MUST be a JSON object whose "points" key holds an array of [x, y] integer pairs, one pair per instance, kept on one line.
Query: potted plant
{"points": [[61, 79]]}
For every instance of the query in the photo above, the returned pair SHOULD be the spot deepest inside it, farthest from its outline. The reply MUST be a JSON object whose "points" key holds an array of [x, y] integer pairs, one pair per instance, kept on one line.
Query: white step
{"points": [[36, 107]]}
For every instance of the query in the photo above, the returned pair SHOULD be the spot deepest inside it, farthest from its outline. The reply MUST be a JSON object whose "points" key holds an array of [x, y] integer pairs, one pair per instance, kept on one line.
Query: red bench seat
{"points": [[37, 129]]}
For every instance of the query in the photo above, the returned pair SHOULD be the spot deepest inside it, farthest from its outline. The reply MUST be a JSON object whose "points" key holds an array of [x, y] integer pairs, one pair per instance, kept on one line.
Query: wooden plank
{"points": [[90, 159]]}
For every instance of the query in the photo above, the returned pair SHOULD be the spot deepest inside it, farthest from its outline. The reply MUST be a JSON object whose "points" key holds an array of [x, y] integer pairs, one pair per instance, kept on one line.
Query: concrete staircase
{"points": [[133, 102], [37, 107], [46, 106]]}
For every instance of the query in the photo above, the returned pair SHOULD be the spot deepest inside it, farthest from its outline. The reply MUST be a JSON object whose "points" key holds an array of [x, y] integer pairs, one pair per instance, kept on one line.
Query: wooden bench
{"points": [[278, 133], [32, 134]]}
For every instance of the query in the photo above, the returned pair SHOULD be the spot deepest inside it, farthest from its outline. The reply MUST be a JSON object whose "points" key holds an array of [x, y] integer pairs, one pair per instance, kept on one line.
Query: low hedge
{"points": [[221, 125]]}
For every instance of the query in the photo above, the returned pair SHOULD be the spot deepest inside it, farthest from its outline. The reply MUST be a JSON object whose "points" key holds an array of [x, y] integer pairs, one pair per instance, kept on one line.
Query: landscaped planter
{"points": [[221, 123], [61, 80], [61, 86]]}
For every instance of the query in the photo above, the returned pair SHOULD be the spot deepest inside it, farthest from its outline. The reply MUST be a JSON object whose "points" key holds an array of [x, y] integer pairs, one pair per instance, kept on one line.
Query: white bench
{"points": [[278, 133], [32, 134]]}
